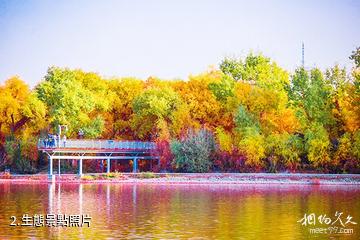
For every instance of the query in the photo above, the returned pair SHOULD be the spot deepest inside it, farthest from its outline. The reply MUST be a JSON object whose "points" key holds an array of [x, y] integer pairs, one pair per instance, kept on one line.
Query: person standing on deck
{"points": [[58, 141], [46, 142], [51, 141], [64, 140], [81, 134]]}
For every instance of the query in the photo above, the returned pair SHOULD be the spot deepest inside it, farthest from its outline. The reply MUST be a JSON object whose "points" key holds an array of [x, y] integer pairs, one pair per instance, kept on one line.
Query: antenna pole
{"points": [[303, 55]]}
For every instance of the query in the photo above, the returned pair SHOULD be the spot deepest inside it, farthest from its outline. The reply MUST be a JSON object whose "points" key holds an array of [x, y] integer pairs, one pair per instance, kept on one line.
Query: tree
{"points": [[343, 95], [318, 103], [356, 74], [203, 108], [245, 120], [21, 118], [233, 68], [18, 107], [261, 87], [311, 96], [223, 89], [299, 87], [119, 117], [259, 117], [251, 140], [356, 56], [76, 99], [256, 69], [154, 110], [253, 145], [318, 145]]}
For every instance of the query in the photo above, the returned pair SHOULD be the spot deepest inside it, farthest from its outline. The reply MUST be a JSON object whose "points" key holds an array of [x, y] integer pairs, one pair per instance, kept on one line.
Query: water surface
{"points": [[130, 211]]}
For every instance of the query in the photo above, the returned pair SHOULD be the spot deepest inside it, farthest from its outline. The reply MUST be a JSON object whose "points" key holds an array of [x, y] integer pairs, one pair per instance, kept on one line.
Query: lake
{"points": [[151, 211]]}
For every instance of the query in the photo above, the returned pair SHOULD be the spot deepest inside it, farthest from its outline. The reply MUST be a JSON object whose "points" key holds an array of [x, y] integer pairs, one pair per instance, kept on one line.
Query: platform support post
{"points": [[108, 165], [80, 167], [51, 175], [59, 167], [135, 167]]}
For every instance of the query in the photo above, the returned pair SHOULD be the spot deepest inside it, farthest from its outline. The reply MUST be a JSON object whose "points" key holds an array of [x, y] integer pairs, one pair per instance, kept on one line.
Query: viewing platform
{"points": [[97, 145], [74, 149]]}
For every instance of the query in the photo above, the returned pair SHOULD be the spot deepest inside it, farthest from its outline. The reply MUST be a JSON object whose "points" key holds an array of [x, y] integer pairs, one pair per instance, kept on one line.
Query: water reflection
{"points": [[108, 201], [134, 194], [51, 197], [59, 198], [176, 211], [80, 199]]}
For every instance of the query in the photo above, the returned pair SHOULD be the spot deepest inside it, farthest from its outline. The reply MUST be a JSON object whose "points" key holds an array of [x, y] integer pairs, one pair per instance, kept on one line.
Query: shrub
{"points": [[113, 175], [146, 175], [317, 145], [343, 151], [87, 177], [347, 155], [253, 146], [356, 145], [230, 161], [17, 157], [224, 140], [295, 145], [283, 149], [195, 152]]}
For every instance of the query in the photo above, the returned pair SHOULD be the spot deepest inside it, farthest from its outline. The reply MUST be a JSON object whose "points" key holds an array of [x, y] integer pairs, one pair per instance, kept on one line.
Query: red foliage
{"points": [[166, 157], [233, 161]]}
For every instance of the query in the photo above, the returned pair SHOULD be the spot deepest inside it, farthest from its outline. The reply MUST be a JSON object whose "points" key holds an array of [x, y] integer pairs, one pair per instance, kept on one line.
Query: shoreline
{"points": [[192, 178]]}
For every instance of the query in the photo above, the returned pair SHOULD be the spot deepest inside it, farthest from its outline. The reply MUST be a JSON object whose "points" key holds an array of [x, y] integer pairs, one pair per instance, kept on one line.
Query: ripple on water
{"points": [[176, 211]]}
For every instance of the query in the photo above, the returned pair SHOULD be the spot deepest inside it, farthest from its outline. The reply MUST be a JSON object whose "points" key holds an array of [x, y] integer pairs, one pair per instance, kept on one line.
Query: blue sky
{"points": [[171, 39]]}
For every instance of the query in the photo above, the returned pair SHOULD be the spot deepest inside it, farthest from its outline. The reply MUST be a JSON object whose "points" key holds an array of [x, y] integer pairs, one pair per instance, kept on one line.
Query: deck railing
{"points": [[95, 144]]}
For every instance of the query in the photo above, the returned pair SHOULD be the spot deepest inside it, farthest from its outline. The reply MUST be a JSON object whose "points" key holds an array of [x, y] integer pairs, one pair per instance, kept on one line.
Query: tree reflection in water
{"points": [[176, 211]]}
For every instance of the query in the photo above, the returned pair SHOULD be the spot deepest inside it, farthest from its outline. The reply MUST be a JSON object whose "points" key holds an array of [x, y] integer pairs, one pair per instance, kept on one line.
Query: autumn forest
{"points": [[246, 115]]}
